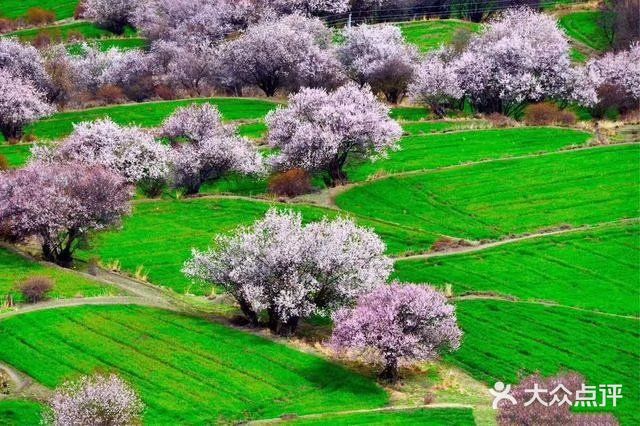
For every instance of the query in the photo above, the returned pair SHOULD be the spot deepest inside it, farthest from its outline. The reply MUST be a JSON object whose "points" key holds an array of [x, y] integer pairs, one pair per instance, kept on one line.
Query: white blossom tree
{"points": [[289, 271], [113, 15], [128, 151], [95, 400], [320, 131], [20, 104], [378, 55], [521, 56], [435, 85], [621, 69], [25, 61], [277, 54], [209, 149]]}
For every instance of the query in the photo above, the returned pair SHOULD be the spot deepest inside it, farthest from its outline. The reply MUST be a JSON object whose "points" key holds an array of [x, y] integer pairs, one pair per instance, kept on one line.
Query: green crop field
{"points": [[429, 35], [571, 269], [431, 151], [19, 413], [583, 27], [18, 8], [17, 155], [498, 198], [432, 417], [160, 234], [504, 340], [16, 269], [186, 370], [416, 128], [148, 114], [85, 29]]}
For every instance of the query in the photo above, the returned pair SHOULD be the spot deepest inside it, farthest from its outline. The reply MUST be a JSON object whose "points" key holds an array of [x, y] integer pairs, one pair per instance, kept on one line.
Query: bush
{"points": [[547, 113], [42, 40], [80, 9], [165, 92], [110, 94], [613, 99], [35, 289], [39, 16], [290, 183], [6, 25], [498, 120], [4, 163]]}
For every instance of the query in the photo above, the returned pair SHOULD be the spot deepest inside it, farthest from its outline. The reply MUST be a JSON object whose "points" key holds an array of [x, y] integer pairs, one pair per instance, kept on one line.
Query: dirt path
{"points": [[475, 246], [23, 385]]}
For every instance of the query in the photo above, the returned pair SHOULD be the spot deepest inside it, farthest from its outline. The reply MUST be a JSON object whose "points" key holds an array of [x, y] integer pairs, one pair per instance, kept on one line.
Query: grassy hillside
{"points": [[430, 416], [505, 340], [572, 269], [148, 114], [16, 155], [18, 8], [504, 197], [19, 412], [438, 150], [583, 27], [160, 234], [85, 29], [16, 269], [429, 35], [186, 370]]}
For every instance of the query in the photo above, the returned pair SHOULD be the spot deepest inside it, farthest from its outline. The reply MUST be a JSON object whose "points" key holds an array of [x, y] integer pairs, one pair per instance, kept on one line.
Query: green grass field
{"points": [[504, 340], [416, 128], [186, 370], [573, 269], [86, 29], [449, 149], [583, 27], [19, 413], [429, 35], [430, 416], [499, 198], [148, 114], [16, 269], [18, 8], [160, 234], [17, 155]]}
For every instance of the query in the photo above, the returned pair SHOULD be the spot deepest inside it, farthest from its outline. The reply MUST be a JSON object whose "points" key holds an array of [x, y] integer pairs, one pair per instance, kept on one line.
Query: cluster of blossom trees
{"points": [[286, 270]]}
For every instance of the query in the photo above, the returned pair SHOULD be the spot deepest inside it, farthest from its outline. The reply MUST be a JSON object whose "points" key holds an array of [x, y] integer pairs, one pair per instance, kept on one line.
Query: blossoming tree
{"points": [[395, 323]]}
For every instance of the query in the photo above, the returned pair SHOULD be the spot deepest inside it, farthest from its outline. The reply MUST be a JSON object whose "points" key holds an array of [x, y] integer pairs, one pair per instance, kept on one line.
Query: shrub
{"points": [[291, 183], [42, 40], [35, 289], [110, 94], [81, 8], [498, 120], [6, 25], [546, 113], [613, 99], [165, 92], [39, 16], [4, 163]]}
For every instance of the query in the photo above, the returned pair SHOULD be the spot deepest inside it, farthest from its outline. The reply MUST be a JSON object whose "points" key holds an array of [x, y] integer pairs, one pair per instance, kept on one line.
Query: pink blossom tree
{"points": [[58, 204], [320, 131], [307, 7], [397, 323], [20, 104], [25, 61], [521, 56], [191, 67], [95, 400], [289, 271], [211, 149], [435, 85], [277, 54], [619, 71], [113, 15], [379, 56], [128, 151]]}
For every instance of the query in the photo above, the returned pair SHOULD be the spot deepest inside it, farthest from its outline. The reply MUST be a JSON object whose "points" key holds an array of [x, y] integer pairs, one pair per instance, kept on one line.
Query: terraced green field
{"points": [[85, 29], [573, 269], [186, 370], [498, 198], [583, 27], [148, 114], [16, 269], [504, 340], [429, 35], [17, 155], [449, 149], [19, 412], [160, 234], [18, 8], [416, 128], [432, 417]]}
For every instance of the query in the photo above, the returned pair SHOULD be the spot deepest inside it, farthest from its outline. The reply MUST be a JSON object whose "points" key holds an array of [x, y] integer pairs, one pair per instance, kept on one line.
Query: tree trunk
{"points": [[248, 312], [11, 132], [390, 372]]}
